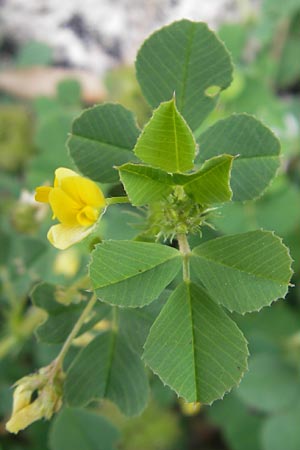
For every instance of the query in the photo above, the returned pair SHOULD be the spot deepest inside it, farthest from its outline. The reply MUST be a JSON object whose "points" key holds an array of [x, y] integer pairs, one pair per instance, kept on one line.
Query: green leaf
{"points": [[257, 147], [195, 348], [61, 318], [135, 323], [108, 368], [132, 274], [145, 184], [103, 137], [281, 431], [77, 429], [166, 141], [243, 272], [240, 426], [270, 385], [186, 58], [211, 184], [69, 92]]}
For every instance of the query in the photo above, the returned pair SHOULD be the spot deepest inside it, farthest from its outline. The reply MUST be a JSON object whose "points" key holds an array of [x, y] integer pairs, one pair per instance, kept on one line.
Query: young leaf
{"points": [[77, 429], [166, 141], [243, 272], [211, 184], [257, 147], [108, 368], [103, 137], [61, 318], [195, 348], [145, 184], [132, 274], [186, 58]]}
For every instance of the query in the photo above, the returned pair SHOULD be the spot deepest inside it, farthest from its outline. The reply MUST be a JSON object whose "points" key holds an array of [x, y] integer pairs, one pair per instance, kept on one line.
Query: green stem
{"points": [[58, 362], [8, 287], [186, 252], [115, 200], [115, 316]]}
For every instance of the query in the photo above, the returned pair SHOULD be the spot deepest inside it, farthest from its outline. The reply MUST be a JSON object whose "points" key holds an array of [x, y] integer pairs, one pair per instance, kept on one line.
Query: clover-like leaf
{"points": [[101, 138], [211, 184], [145, 184], [243, 272], [255, 145], [185, 58], [132, 274], [166, 141], [108, 368], [194, 347]]}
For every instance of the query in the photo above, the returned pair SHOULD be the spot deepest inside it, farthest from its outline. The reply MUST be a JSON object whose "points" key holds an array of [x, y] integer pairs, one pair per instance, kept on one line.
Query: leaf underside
{"points": [[195, 348]]}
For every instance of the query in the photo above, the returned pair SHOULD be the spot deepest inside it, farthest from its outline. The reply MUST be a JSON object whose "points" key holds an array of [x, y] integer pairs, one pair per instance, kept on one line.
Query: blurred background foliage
{"points": [[264, 412]]}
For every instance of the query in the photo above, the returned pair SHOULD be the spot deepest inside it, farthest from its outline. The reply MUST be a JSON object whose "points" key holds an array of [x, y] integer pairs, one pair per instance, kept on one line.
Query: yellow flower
{"points": [[48, 401], [76, 202]]}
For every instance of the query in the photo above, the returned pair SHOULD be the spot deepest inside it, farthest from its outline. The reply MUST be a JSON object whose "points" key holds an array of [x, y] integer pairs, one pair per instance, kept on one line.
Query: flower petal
{"points": [[62, 236], [64, 207], [61, 173], [87, 216], [42, 194], [24, 417], [83, 191]]}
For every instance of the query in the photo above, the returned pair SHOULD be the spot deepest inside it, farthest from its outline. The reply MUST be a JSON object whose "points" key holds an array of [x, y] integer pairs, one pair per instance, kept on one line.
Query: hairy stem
{"points": [[186, 252], [58, 362]]}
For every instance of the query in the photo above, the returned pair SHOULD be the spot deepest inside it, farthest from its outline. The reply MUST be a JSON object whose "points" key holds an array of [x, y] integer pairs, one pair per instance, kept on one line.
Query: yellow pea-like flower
{"points": [[76, 202]]}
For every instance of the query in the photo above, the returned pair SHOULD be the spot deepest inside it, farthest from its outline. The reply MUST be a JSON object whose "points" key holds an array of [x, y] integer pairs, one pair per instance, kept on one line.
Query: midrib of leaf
{"points": [[206, 172], [240, 270], [117, 147], [110, 361], [186, 71], [256, 157], [175, 134], [140, 272], [193, 339], [143, 175]]}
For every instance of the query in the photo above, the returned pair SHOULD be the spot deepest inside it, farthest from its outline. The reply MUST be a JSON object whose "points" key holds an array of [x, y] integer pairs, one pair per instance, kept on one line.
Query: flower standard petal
{"points": [[83, 191], [63, 236], [61, 173]]}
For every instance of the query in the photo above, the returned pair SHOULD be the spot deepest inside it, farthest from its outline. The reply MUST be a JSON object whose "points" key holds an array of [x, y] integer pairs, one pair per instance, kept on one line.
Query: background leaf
{"points": [[103, 137], [166, 141], [195, 348], [243, 272], [186, 58], [77, 429], [132, 274], [256, 145], [282, 431], [108, 368], [270, 385], [61, 318], [135, 323]]}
